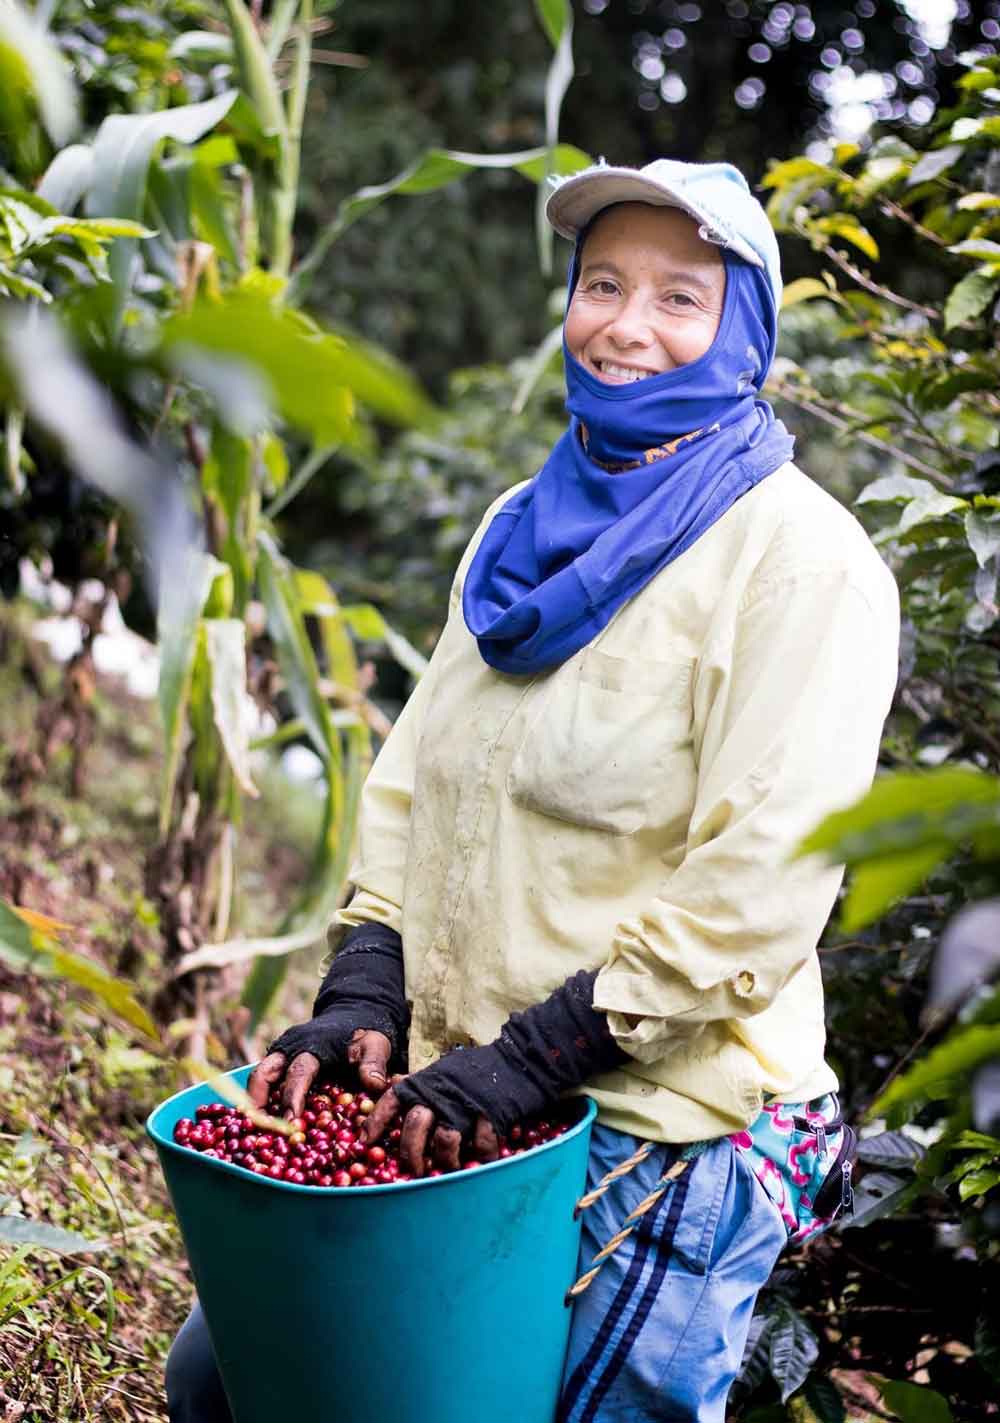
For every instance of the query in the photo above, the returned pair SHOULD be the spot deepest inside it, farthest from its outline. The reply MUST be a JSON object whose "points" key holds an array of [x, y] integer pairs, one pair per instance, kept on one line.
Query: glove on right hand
{"points": [[363, 989]]}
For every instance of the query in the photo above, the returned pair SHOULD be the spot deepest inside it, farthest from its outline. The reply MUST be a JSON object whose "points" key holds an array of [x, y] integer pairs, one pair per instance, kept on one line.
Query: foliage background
{"points": [[873, 132]]}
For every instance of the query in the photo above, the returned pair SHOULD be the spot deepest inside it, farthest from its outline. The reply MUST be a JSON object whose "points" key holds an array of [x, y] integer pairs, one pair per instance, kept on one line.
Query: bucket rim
{"points": [[164, 1142]]}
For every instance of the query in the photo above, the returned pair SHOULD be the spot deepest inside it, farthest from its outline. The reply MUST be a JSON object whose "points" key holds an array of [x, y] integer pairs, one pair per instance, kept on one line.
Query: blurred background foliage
{"points": [[398, 382]]}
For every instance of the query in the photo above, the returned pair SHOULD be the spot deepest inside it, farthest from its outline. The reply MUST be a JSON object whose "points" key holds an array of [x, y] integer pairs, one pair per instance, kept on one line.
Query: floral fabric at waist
{"points": [[802, 1153]]}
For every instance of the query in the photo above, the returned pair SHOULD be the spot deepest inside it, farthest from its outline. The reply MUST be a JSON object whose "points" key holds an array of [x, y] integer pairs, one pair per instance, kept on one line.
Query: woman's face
{"points": [[649, 296]]}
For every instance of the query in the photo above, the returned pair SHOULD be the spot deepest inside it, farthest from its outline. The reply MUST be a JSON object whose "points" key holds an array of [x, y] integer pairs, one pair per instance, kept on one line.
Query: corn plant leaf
{"points": [[294, 650], [557, 20], [16, 1230], [369, 624], [68, 177], [123, 148], [225, 643], [180, 608], [304, 368], [31, 64], [434, 169]]}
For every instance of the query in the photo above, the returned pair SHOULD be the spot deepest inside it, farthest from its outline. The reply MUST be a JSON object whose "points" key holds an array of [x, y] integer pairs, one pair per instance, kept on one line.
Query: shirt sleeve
{"points": [[789, 707], [379, 869]]}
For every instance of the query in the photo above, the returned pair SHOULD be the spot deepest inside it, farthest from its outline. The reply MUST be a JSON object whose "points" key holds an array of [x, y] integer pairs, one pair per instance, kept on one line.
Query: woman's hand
{"points": [[422, 1137], [368, 1050]]}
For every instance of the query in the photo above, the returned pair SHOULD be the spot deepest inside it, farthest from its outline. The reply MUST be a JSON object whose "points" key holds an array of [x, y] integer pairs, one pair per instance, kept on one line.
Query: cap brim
{"points": [[576, 200]]}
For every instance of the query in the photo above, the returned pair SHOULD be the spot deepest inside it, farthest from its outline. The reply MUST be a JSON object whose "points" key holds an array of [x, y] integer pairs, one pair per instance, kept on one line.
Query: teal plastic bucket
{"points": [[430, 1301]]}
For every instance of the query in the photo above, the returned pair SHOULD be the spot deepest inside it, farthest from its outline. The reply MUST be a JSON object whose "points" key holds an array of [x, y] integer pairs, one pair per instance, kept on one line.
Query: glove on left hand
{"points": [[541, 1052]]}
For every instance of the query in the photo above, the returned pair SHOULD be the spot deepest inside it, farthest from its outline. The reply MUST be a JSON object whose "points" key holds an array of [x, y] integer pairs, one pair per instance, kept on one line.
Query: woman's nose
{"points": [[630, 326]]}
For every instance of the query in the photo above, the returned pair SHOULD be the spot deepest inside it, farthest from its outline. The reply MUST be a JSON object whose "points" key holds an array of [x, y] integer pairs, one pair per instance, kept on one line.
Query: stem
{"points": [[286, 193], [13, 432], [892, 209], [812, 405], [311, 465], [841, 260], [280, 23]]}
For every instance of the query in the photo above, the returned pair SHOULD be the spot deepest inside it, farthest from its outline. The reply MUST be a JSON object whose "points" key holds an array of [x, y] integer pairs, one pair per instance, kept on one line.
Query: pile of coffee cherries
{"points": [[325, 1146]]}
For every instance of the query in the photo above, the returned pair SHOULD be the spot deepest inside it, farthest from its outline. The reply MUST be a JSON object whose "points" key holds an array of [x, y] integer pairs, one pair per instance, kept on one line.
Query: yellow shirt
{"points": [[634, 809]]}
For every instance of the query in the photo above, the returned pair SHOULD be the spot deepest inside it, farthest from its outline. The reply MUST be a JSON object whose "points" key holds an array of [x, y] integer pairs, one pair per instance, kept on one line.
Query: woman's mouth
{"points": [[616, 374]]}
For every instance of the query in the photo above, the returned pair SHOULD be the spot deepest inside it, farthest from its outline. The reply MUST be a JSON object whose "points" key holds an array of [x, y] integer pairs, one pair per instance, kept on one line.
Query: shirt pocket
{"points": [[598, 746]]}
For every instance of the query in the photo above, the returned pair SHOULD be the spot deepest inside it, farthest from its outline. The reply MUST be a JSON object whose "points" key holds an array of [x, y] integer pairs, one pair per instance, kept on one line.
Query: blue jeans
{"points": [[659, 1334]]}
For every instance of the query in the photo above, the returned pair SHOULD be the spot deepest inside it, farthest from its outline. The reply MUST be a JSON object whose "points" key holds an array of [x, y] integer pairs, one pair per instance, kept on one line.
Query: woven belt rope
{"points": [[633, 1218]]}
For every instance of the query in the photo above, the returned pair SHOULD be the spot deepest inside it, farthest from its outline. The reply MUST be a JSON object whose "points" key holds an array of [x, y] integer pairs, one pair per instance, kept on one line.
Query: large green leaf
{"points": [[900, 811], [182, 598], [123, 148], [558, 22], [961, 1051], [225, 643], [312, 374], [68, 177], [432, 170], [880, 882]]}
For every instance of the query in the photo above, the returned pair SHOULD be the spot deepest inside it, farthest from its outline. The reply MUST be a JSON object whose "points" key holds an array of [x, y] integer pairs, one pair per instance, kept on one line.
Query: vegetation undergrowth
{"points": [[86, 1319]]}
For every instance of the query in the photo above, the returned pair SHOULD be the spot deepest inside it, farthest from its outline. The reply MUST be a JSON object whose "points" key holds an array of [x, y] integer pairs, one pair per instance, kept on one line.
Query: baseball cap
{"points": [[716, 195]]}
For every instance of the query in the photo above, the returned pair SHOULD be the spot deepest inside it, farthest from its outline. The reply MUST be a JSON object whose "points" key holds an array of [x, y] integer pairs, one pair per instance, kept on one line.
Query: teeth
{"points": [[622, 372]]}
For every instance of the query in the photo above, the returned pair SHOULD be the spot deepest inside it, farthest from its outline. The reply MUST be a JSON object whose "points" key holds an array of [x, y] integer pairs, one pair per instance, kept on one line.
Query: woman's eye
{"points": [[680, 299], [603, 287]]}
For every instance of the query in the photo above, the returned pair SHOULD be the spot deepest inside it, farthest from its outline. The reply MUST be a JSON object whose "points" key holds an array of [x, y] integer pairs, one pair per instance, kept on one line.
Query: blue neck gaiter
{"points": [[570, 548]]}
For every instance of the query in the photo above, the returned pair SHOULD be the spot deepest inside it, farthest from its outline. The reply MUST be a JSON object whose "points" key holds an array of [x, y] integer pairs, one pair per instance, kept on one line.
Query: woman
{"points": [[668, 656]]}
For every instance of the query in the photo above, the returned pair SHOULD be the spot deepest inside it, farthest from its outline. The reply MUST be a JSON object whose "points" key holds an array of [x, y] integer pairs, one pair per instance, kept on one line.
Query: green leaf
{"points": [[68, 177], [794, 1349], [917, 798], [225, 643], [976, 202], [806, 289], [182, 599], [961, 1051], [312, 374], [555, 16], [793, 170], [979, 248], [17, 284], [878, 1195], [31, 64], [977, 1183], [892, 1149], [16, 1230], [894, 488], [294, 650], [123, 148], [983, 533], [851, 230], [879, 883], [969, 297], [113, 992], [931, 165], [825, 1401], [912, 1403], [368, 623]]}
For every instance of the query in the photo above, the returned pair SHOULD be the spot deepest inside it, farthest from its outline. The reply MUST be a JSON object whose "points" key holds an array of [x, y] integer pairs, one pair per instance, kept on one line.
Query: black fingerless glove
{"points": [[541, 1052], [363, 989]]}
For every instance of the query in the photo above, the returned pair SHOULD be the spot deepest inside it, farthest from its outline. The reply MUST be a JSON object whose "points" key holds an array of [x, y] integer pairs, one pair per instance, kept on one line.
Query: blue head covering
{"points": [[566, 551]]}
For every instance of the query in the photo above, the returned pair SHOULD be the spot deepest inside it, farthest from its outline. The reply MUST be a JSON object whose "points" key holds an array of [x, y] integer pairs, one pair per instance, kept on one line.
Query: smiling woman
{"points": [[668, 656], [649, 295]]}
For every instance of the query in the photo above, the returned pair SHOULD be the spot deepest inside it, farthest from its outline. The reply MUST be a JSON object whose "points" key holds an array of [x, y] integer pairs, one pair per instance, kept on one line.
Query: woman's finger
{"points": [[446, 1145], [379, 1121], [264, 1076], [484, 1140], [417, 1126], [298, 1079]]}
